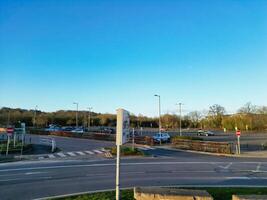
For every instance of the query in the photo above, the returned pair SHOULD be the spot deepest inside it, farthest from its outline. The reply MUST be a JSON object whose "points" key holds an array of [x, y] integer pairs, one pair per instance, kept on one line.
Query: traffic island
{"points": [[126, 151], [157, 193]]}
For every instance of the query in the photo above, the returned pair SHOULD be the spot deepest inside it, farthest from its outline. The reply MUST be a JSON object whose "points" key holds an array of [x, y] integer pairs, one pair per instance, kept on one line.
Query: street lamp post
{"points": [[180, 111], [89, 117], [156, 95], [76, 113]]}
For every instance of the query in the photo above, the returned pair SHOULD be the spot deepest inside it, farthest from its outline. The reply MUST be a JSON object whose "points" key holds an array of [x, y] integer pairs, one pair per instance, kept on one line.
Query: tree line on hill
{"points": [[248, 117]]}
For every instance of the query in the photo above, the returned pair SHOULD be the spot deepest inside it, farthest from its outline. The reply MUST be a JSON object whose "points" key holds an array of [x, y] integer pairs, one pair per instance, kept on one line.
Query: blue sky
{"points": [[110, 54]]}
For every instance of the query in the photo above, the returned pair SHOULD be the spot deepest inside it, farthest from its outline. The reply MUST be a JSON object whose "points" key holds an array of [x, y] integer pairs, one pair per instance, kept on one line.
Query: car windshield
{"points": [[133, 99]]}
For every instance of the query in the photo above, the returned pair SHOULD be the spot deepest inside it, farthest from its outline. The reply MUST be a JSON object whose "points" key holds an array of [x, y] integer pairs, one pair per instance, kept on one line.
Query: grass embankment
{"points": [[126, 151], [12, 149], [216, 193]]}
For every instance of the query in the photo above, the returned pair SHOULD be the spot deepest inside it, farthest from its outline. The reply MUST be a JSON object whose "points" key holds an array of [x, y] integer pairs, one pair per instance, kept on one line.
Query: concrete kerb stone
{"points": [[159, 193], [249, 197]]}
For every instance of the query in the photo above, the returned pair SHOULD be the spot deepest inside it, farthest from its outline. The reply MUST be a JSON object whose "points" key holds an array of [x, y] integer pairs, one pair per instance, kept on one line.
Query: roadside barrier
{"points": [[206, 146]]}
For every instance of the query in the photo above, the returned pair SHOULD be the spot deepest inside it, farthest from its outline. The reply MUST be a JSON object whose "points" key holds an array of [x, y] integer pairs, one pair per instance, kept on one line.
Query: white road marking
{"points": [[89, 152], [150, 148], [51, 156], [40, 158], [61, 155], [227, 166], [258, 167], [71, 153], [31, 173], [97, 151], [81, 153], [124, 164], [142, 148], [16, 179]]}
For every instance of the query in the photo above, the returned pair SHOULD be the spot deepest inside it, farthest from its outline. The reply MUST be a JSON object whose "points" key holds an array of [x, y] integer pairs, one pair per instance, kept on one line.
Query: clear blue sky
{"points": [[109, 54]]}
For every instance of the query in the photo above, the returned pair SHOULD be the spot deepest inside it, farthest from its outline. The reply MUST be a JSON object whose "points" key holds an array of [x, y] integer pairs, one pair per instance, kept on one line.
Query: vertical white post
{"points": [[7, 146], [238, 143], [133, 140], [141, 131], [118, 173], [53, 145], [14, 139], [22, 143]]}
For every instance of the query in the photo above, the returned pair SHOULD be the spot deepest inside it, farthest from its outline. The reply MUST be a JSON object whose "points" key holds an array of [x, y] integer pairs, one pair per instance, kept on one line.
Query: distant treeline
{"points": [[248, 117]]}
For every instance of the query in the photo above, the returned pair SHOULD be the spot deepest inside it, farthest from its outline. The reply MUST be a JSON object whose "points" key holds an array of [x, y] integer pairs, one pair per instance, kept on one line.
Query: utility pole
{"points": [[76, 113], [156, 95], [89, 117], [180, 118]]}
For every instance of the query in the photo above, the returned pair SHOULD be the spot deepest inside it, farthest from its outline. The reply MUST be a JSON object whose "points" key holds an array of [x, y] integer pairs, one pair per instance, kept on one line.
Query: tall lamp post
{"points": [[76, 113], [180, 111], [89, 117], [156, 95]]}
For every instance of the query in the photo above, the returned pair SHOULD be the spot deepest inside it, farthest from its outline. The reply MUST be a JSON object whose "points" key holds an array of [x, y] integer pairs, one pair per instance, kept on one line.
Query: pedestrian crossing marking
{"points": [[81, 153], [97, 151], [51, 156], [89, 152], [71, 153], [61, 155]]}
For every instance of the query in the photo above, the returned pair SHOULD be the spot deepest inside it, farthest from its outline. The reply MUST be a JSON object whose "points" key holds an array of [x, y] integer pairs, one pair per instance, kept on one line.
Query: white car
{"points": [[77, 130], [162, 137]]}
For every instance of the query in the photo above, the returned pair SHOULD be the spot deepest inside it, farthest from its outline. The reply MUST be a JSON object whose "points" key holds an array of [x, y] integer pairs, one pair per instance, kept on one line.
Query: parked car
{"points": [[77, 130], [205, 133], [163, 137], [52, 128]]}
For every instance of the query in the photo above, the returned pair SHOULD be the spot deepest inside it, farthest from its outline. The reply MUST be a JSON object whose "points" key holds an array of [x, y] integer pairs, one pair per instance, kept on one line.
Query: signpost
{"points": [[9, 131], [122, 136], [238, 133], [23, 127]]}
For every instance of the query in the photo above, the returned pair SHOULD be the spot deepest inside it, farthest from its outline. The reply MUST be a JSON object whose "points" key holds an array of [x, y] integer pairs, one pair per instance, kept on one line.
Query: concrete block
{"points": [[249, 197], [158, 193]]}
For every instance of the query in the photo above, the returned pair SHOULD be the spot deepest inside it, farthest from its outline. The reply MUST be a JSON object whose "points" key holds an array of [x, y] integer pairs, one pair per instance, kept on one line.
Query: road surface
{"points": [[30, 180]]}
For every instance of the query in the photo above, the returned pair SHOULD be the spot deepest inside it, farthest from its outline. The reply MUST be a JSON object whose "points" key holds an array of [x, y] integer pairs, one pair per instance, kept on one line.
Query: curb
{"points": [[213, 154]]}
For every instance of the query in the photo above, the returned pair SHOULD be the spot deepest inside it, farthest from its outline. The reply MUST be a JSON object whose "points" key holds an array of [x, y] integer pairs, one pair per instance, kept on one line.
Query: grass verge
{"points": [[218, 193]]}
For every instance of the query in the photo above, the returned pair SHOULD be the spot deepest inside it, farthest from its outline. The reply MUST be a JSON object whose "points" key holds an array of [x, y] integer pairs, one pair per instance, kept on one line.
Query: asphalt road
{"points": [[72, 144], [30, 180]]}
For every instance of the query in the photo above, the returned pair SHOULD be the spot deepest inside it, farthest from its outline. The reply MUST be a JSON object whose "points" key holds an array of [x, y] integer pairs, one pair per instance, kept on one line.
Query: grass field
{"points": [[216, 193]]}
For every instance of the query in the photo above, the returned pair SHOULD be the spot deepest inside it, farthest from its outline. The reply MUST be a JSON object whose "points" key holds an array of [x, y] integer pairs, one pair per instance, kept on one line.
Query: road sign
{"points": [[10, 131], [123, 124], [238, 133], [122, 136]]}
